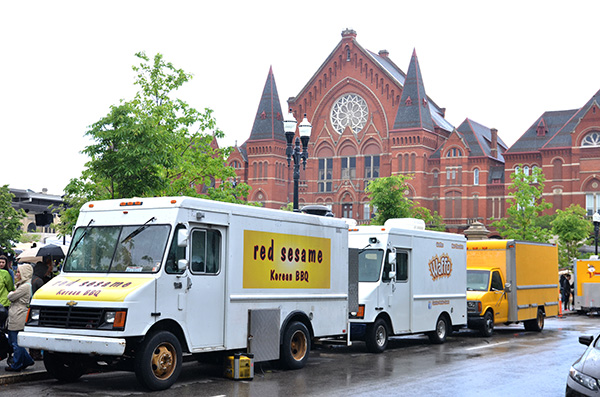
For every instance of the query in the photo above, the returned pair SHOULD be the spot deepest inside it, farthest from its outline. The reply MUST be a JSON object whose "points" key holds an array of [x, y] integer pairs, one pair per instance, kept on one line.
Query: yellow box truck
{"points": [[511, 281]]}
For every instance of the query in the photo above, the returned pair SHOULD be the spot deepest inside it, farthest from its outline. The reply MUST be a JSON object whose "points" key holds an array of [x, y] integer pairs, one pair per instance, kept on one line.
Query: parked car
{"points": [[585, 372]]}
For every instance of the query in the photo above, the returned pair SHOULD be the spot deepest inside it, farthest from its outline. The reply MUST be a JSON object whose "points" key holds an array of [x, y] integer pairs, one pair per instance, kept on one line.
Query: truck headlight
{"points": [[474, 306], [33, 317], [114, 319], [584, 380], [360, 313]]}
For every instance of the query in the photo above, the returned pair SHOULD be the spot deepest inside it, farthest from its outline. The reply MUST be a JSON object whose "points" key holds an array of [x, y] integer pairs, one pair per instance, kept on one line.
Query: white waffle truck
{"points": [[411, 280], [149, 281]]}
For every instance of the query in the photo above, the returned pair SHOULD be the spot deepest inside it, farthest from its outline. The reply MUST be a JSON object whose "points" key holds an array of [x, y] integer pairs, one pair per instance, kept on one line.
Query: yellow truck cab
{"points": [[511, 281]]}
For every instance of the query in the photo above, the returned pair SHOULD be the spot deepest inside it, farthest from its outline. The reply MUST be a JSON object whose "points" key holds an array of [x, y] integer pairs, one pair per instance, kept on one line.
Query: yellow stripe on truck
{"points": [[106, 289]]}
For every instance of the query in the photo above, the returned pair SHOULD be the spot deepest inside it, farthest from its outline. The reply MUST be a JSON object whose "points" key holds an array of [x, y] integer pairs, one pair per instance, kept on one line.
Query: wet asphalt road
{"points": [[510, 363]]}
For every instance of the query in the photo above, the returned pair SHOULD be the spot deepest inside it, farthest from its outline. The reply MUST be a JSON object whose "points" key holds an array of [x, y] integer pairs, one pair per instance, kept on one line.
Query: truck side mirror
{"points": [[182, 265], [507, 287], [392, 275], [182, 238]]}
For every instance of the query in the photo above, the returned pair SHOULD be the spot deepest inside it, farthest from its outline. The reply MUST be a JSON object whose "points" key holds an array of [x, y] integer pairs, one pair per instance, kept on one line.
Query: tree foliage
{"points": [[389, 196], [10, 221], [153, 145], [524, 207], [572, 229]]}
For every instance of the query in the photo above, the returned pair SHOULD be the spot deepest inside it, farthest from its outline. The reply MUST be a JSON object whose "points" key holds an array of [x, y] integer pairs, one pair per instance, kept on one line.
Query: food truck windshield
{"points": [[117, 249]]}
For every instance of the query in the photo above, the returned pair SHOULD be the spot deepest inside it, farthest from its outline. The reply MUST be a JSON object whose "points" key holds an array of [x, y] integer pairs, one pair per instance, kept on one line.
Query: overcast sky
{"points": [[501, 64]]}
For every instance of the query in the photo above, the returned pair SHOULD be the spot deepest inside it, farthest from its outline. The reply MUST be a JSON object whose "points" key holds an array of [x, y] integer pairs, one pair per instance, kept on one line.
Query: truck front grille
{"points": [[70, 317]]}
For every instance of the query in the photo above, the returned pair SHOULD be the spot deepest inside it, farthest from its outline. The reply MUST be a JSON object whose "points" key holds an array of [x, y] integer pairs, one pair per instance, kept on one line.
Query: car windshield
{"points": [[369, 265], [117, 249], [478, 280]]}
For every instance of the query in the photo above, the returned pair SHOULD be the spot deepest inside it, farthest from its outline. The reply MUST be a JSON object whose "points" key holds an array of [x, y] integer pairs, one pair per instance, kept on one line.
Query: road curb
{"points": [[9, 379]]}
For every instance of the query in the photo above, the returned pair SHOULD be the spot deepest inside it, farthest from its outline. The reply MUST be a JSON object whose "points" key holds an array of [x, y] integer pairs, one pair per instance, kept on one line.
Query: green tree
{"points": [[153, 145], [572, 229], [288, 207], [389, 196], [433, 221], [10, 221], [524, 207]]}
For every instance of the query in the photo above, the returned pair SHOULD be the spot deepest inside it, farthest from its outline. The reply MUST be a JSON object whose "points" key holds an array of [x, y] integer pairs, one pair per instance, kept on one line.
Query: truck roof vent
{"points": [[406, 223]]}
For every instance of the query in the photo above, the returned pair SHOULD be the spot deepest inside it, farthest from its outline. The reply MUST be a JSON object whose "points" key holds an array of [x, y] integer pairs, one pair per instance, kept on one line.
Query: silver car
{"points": [[585, 372]]}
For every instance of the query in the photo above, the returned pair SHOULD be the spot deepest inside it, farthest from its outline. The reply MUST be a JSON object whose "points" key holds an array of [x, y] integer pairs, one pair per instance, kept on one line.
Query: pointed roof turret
{"points": [[268, 123], [413, 109]]}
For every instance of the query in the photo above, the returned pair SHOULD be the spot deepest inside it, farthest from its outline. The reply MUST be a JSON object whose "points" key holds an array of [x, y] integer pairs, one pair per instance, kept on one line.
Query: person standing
{"points": [[566, 291], [6, 264], [6, 286], [17, 315], [40, 272]]}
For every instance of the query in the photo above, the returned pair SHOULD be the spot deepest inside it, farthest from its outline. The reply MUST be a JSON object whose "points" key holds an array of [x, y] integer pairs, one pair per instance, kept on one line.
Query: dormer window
{"points": [[454, 152], [541, 128], [408, 101]]}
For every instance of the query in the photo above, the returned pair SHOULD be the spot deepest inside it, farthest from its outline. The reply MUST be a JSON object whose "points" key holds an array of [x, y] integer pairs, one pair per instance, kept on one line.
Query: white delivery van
{"points": [[410, 281], [147, 281]]}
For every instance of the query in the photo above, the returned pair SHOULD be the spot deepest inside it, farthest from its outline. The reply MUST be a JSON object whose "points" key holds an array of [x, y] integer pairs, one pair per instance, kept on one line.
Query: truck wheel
{"points": [[487, 328], [158, 361], [295, 346], [536, 324], [441, 330], [376, 336], [62, 367]]}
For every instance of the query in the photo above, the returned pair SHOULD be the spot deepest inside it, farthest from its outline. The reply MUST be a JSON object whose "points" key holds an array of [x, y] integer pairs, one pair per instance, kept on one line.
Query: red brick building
{"points": [[371, 119], [566, 145]]}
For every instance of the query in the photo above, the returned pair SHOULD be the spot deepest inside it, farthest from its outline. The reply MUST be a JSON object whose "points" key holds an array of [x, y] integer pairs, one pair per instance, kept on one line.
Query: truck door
{"points": [[500, 298], [205, 314], [194, 295], [396, 289]]}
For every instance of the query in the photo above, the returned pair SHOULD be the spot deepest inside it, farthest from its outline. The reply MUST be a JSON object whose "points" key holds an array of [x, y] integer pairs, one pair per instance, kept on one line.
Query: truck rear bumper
{"points": [[72, 343]]}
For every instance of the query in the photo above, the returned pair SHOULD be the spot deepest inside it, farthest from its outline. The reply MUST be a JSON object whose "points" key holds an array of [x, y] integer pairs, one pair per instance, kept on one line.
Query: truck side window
{"points": [[497, 281], [175, 254], [401, 266], [206, 246]]}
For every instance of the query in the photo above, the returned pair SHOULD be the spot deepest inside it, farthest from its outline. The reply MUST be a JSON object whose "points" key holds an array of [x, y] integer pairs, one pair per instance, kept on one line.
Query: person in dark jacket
{"points": [[565, 288], [40, 271]]}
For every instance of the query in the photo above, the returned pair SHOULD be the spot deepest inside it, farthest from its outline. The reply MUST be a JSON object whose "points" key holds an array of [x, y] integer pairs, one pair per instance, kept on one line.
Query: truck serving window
{"points": [[478, 280], [118, 249], [369, 265]]}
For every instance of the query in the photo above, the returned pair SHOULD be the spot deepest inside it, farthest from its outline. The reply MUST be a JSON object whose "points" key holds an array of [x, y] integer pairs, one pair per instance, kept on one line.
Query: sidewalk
{"points": [[35, 372]]}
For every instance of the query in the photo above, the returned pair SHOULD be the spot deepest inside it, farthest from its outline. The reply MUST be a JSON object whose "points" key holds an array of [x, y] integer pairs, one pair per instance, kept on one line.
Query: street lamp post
{"points": [[596, 220], [294, 152]]}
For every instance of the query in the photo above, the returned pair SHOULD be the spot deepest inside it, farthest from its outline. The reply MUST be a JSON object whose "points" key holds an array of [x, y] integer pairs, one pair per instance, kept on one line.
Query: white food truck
{"points": [[149, 281], [410, 281]]}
